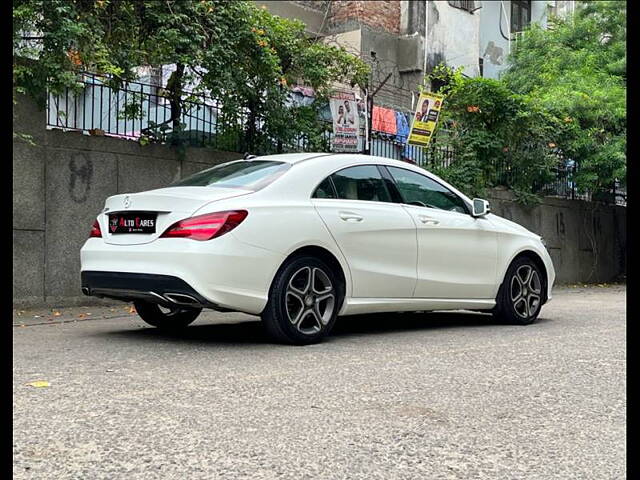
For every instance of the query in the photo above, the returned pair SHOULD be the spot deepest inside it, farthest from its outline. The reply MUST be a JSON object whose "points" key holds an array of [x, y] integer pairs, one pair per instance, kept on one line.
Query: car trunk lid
{"points": [[168, 204]]}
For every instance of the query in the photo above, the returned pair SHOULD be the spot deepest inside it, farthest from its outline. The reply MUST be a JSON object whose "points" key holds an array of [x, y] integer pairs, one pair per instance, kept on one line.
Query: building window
{"points": [[520, 15], [469, 6], [415, 16]]}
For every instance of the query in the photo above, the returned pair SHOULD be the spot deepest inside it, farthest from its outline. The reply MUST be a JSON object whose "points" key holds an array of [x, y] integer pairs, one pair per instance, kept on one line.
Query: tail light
{"points": [[206, 227], [95, 230]]}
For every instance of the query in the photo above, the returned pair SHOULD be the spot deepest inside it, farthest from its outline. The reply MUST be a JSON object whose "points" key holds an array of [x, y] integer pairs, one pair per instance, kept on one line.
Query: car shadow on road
{"points": [[252, 332]]}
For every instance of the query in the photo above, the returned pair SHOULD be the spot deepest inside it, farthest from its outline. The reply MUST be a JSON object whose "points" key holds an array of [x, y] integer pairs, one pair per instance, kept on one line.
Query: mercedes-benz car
{"points": [[300, 239]]}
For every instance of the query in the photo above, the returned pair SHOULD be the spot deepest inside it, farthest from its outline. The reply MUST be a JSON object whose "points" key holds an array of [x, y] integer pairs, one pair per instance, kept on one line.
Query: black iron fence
{"points": [[145, 112], [436, 155], [135, 110]]}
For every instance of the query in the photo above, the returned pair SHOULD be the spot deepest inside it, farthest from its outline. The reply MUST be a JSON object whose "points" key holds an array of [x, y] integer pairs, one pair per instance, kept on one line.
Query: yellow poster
{"points": [[425, 119]]}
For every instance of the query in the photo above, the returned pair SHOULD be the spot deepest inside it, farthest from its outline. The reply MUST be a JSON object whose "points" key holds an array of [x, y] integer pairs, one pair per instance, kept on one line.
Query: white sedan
{"points": [[302, 238]]}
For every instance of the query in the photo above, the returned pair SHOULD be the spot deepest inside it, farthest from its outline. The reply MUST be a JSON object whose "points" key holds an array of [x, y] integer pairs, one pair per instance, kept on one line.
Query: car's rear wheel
{"points": [[521, 295], [174, 318], [303, 301]]}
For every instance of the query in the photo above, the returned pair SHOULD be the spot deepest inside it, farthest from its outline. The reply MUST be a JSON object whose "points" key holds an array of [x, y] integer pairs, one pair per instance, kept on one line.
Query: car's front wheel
{"points": [[521, 295], [175, 318], [303, 302]]}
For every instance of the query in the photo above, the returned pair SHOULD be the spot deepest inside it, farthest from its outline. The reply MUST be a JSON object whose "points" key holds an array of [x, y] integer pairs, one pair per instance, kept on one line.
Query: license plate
{"points": [[132, 222]]}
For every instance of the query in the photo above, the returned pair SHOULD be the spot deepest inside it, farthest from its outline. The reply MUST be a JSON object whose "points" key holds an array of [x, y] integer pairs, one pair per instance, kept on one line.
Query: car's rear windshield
{"points": [[245, 174]]}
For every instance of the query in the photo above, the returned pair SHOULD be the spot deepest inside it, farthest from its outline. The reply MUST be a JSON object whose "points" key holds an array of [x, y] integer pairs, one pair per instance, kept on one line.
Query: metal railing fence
{"points": [[132, 110]]}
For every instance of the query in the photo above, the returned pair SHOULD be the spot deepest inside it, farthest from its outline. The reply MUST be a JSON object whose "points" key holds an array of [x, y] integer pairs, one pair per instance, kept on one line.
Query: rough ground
{"points": [[415, 396]]}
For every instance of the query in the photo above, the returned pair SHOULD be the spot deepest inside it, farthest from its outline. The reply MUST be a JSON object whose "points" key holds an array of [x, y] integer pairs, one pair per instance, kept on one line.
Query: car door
{"points": [[376, 235], [457, 253]]}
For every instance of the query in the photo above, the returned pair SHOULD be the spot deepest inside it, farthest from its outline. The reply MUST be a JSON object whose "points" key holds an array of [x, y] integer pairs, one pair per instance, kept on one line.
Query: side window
{"points": [[361, 183], [324, 190], [418, 189], [520, 15]]}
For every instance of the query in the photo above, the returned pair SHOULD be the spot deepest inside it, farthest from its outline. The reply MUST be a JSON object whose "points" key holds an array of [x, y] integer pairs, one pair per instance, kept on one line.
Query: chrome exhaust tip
{"points": [[86, 291], [159, 298], [181, 299]]}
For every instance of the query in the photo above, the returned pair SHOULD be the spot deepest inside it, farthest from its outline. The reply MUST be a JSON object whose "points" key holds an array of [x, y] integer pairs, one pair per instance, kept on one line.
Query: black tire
{"points": [[173, 320], [521, 295], [298, 318]]}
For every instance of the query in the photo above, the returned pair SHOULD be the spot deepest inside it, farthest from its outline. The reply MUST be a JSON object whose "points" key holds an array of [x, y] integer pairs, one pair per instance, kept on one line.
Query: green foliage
{"points": [[500, 138], [563, 97], [238, 52], [446, 76], [577, 72]]}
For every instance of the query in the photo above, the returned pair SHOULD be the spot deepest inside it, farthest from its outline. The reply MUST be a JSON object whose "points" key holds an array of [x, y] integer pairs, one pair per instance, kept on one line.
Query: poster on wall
{"points": [[425, 119], [346, 124]]}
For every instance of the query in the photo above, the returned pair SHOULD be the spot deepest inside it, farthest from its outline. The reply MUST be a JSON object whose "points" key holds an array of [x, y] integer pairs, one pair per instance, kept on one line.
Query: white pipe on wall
{"points": [[506, 20], [426, 31]]}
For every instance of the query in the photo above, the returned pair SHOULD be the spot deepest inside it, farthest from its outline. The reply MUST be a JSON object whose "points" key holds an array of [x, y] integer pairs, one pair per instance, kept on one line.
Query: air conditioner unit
{"points": [[409, 53]]}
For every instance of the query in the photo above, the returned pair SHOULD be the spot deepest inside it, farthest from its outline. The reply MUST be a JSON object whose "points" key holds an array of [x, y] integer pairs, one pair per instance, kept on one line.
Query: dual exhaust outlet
{"points": [[169, 298], [177, 299]]}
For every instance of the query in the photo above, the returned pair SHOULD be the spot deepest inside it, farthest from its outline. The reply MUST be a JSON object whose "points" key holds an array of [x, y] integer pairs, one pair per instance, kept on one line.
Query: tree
{"points": [[562, 99], [499, 137], [576, 70], [239, 53]]}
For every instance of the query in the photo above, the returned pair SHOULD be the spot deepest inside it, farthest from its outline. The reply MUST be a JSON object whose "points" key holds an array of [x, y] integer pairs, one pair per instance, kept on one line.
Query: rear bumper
{"points": [[162, 289], [223, 273]]}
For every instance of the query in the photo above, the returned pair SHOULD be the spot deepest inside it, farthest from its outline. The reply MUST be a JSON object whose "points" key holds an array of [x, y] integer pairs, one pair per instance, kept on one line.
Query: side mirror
{"points": [[480, 207]]}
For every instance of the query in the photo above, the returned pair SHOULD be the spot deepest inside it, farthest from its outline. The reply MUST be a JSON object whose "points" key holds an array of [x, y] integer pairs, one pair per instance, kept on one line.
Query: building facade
{"points": [[404, 40]]}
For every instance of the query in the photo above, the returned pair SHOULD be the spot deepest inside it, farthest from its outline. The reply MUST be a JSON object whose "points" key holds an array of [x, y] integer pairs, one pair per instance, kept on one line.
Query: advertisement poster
{"points": [[346, 124], [425, 119]]}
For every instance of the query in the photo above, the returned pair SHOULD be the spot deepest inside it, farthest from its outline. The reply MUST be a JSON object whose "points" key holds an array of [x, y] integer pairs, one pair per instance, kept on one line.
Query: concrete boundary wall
{"points": [[61, 183], [59, 187], [586, 240]]}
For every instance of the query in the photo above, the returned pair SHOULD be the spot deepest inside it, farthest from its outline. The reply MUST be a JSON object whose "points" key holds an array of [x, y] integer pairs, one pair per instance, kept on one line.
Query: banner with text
{"points": [[346, 123], [425, 119]]}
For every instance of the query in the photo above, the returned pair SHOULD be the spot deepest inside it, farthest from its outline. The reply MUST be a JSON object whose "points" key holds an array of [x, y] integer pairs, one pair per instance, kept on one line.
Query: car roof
{"points": [[352, 159], [292, 157]]}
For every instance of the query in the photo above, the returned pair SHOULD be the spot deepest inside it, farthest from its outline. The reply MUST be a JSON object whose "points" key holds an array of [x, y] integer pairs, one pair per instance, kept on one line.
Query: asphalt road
{"points": [[414, 396]]}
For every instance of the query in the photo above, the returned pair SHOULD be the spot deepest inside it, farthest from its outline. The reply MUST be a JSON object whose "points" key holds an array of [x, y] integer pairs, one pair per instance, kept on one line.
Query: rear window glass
{"points": [[249, 175]]}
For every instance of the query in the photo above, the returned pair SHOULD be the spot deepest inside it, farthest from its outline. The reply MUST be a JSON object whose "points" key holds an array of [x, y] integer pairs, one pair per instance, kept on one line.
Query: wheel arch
{"points": [[326, 256], [537, 259]]}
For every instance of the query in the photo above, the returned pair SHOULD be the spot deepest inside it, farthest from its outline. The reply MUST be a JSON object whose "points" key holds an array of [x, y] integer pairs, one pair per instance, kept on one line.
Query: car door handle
{"points": [[350, 217], [428, 220]]}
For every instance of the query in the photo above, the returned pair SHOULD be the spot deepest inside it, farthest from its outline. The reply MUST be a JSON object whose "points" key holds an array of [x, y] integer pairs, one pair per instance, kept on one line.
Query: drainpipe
{"points": [[506, 20], [367, 140], [426, 30]]}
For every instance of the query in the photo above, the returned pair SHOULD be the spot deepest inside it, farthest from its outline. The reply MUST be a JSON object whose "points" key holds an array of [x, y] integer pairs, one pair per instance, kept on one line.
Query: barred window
{"points": [[520, 15], [467, 5]]}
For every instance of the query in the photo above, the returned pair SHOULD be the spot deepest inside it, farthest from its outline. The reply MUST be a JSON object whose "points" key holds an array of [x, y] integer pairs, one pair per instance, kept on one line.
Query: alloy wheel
{"points": [[526, 290], [310, 300]]}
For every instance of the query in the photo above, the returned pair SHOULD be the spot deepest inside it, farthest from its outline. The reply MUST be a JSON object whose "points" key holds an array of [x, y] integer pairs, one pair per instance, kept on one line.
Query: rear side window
{"points": [[324, 190], [419, 189], [249, 175], [363, 182]]}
